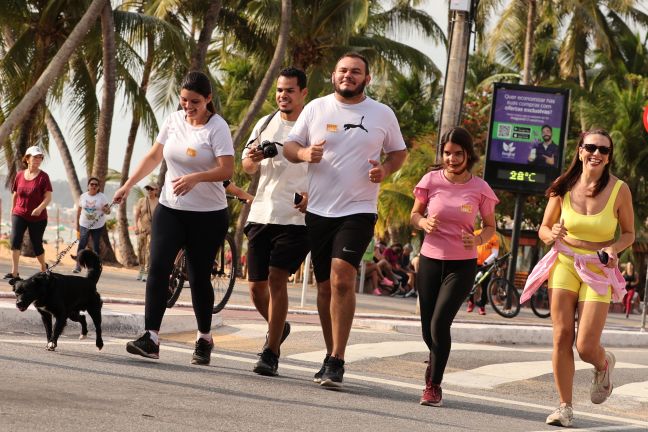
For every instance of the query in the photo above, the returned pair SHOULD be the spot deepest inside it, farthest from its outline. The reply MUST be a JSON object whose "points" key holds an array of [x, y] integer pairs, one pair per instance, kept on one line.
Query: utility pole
{"points": [[461, 12]]}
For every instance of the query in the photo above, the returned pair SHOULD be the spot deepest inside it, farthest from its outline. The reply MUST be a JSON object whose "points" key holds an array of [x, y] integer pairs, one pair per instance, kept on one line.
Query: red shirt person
{"points": [[32, 192]]}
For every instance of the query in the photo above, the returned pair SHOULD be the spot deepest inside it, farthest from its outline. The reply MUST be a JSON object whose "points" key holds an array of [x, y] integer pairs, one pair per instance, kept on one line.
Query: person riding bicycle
{"points": [[486, 255], [276, 231], [196, 145]]}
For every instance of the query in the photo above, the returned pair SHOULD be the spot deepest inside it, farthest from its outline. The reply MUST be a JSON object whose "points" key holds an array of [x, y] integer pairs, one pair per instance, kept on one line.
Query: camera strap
{"points": [[262, 128]]}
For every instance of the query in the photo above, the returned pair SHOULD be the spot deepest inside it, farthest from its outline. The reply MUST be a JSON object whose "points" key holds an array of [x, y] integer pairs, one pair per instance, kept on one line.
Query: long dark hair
{"points": [[198, 82], [461, 137], [568, 179]]}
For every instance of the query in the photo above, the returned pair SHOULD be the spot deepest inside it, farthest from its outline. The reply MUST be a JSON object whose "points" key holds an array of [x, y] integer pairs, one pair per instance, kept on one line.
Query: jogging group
{"points": [[320, 166]]}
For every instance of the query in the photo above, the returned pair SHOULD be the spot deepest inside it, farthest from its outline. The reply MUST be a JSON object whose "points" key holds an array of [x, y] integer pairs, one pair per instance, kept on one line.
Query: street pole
{"points": [[455, 76], [645, 302], [520, 199]]}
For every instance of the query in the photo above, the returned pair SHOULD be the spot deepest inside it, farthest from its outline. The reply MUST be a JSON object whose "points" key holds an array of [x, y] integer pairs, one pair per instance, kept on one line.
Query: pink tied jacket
{"points": [[599, 282]]}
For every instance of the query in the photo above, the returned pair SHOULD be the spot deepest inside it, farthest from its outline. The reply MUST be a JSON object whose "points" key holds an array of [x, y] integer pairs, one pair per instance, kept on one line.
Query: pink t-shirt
{"points": [[455, 206]]}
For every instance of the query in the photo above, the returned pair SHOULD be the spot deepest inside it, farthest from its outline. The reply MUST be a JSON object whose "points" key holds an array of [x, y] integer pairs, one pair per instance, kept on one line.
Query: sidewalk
{"points": [[124, 299]]}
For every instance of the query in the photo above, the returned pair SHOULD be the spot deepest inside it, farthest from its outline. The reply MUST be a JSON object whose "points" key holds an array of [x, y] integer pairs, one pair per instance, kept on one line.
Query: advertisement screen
{"points": [[526, 137]]}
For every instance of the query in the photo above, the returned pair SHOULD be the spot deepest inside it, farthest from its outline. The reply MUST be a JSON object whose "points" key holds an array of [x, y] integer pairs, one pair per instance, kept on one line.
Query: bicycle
{"points": [[539, 302], [483, 273], [502, 294], [223, 274]]}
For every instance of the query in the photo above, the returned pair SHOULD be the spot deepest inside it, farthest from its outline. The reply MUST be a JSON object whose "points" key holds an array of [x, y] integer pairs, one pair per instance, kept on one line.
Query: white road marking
{"points": [[623, 428], [636, 390], [400, 384], [492, 375]]}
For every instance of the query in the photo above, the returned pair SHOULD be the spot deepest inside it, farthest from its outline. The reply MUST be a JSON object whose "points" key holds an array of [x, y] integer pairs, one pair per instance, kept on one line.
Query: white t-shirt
{"points": [[279, 179], [92, 210], [339, 185], [189, 149]]}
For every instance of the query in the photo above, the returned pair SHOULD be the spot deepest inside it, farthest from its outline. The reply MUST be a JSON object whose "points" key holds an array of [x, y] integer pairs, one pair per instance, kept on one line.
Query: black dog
{"points": [[63, 297]]}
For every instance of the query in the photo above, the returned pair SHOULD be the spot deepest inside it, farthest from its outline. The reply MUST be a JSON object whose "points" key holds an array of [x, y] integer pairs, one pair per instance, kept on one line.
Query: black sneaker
{"points": [[9, 276], [267, 364], [144, 346], [334, 373], [202, 353], [317, 378], [284, 335]]}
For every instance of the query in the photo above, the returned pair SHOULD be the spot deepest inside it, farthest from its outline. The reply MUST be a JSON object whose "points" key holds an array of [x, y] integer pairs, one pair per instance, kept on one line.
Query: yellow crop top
{"points": [[599, 227]]}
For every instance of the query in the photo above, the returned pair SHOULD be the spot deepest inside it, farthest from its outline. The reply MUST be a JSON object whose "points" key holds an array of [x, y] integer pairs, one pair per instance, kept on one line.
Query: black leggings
{"points": [[201, 234], [36, 230], [442, 288]]}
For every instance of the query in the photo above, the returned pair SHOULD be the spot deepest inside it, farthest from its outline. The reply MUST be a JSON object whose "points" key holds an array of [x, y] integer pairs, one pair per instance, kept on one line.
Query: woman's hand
{"points": [[121, 193], [469, 240], [558, 231], [37, 211], [428, 224], [182, 185], [613, 259]]}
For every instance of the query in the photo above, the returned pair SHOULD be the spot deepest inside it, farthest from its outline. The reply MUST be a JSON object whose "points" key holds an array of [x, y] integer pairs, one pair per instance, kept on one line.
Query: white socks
{"points": [[206, 336], [154, 336]]}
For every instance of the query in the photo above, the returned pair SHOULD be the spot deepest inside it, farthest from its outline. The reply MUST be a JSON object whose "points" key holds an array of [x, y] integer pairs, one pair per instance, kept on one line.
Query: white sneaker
{"points": [[602, 386], [562, 416]]}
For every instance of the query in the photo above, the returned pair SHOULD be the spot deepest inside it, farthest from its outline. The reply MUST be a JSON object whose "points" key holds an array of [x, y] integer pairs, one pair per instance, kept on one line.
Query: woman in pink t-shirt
{"points": [[447, 200], [32, 192]]}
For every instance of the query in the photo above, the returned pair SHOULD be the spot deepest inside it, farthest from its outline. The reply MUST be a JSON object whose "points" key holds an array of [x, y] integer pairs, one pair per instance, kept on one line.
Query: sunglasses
{"points": [[591, 148], [93, 184]]}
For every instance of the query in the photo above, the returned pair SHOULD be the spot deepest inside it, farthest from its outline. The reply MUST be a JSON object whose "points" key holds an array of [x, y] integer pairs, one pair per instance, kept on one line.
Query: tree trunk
{"points": [[102, 144], [455, 75], [529, 42], [257, 102], [209, 23], [53, 70], [126, 250], [582, 82], [68, 163]]}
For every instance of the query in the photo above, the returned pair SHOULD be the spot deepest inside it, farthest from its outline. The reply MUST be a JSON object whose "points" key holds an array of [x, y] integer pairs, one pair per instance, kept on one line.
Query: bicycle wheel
{"points": [[539, 302], [504, 297], [223, 274], [176, 280]]}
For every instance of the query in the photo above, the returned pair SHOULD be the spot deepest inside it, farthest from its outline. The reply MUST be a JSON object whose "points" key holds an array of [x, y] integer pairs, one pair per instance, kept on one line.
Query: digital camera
{"points": [[269, 149]]}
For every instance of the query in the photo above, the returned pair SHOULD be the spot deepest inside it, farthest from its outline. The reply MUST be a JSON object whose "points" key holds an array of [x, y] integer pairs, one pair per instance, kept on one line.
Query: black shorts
{"points": [[272, 245], [345, 237]]}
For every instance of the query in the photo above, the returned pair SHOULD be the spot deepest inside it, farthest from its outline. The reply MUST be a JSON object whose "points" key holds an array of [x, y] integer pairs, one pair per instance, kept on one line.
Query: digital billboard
{"points": [[526, 137]]}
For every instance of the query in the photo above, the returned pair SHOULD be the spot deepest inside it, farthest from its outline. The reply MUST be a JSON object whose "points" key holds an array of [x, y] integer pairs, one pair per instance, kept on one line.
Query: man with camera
{"points": [[341, 137], [277, 238]]}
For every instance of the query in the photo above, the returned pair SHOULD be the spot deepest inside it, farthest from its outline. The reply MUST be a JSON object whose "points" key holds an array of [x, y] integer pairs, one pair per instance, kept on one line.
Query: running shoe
{"points": [[387, 282], [9, 276], [144, 346], [482, 310], [377, 292], [432, 395], [268, 363], [602, 386], [317, 378], [470, 307], [334, 373], [562, 416], [202, 352]]}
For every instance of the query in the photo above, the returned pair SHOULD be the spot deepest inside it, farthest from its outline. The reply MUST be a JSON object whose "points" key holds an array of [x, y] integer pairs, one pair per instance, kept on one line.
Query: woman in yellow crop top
{"points": [[585, 206]]}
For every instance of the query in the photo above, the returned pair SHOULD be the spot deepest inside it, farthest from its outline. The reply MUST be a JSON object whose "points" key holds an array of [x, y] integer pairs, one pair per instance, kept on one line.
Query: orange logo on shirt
{"points": [[331, 128], [191, 152], [467, 208]]}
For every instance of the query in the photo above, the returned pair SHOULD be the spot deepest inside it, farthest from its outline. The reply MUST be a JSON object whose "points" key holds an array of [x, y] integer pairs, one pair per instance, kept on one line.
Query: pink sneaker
{"points": [[386, 281], [377, 291], [482, 311], [432, 395], [470, 307]]}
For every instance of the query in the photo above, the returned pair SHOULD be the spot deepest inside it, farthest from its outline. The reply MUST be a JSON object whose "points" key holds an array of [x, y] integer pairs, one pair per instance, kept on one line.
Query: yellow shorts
{"points": [[563, 275]]}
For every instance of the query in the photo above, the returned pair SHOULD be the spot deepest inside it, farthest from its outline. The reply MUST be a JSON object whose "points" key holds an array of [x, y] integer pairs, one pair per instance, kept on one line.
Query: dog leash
{"points": [[65, 251]]}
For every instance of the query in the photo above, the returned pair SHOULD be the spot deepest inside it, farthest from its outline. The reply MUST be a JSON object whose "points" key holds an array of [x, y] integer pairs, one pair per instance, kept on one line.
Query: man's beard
{"points": [[348, 93], [546, 138]]}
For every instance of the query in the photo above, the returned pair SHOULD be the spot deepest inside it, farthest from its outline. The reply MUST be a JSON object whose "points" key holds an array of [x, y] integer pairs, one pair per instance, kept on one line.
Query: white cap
{"points": [[34, 151]]}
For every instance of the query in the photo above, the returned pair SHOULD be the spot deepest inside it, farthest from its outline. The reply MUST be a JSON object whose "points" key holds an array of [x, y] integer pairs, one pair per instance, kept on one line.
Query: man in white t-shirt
{"points": [[342, 137], [277, 237]]}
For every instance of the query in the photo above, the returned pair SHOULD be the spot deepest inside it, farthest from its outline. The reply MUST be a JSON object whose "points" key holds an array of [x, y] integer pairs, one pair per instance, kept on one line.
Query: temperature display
{"points": [[521, 176]]}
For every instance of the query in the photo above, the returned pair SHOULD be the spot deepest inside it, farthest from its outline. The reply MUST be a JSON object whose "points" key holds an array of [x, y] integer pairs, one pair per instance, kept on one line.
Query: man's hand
{"points": [[303, 203], [377, 172], [312, 154], [255, 154]]}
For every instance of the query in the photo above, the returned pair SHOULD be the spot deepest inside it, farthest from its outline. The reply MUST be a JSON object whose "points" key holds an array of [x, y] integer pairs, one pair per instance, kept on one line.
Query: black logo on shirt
{"points": [[351, 126]]}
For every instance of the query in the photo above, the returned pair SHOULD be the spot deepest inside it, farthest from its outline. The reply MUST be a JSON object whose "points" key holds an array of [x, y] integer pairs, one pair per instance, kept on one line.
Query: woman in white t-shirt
{"points": [[91, 217], [196, 145]]}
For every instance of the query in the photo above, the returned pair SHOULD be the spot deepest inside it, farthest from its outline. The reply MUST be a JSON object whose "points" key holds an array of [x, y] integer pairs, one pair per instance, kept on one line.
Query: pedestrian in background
{"points": [[586, 205], [447, 202], [31, 193], [92, 208], [196, 145], [143, 212], [632, 282], [486, 255]]}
